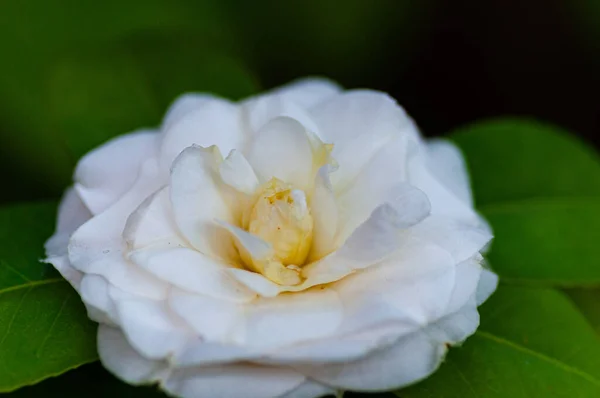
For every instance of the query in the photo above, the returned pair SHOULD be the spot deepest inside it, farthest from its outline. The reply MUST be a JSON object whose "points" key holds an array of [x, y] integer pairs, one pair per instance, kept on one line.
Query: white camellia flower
{"points": [[294, 244]]}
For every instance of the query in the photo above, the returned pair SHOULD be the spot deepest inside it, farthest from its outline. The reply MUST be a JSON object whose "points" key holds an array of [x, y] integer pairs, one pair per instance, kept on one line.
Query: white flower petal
{"points": [[106, 173], [412, 358], [443, 201], [259, 111], [310, 389], [214, 122], [62, 265], [198, 197], [446, 163], [468, 274], [360, 123], [308, 92], [95, 295], [462, 240], [256, 282], [228, 381], [72, 212], [213, 319], [324, 211], [412, 288], [123, 361], [291, 319], [282, 149], [237, 173], [201, 353], [151, 328], [339, 348], [372, 186], [256, 248], [487, 285], [183, 105], [97, 247], [152, 223], [192, 271], [376, 238], [409, 360]]}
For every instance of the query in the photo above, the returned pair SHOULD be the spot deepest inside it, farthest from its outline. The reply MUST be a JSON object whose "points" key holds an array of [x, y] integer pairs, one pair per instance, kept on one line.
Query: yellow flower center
{"points": [[281, 217]]}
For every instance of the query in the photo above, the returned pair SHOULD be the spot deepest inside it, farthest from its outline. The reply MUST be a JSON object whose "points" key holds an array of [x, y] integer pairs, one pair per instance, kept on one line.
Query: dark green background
{"points": [[75, 69]]}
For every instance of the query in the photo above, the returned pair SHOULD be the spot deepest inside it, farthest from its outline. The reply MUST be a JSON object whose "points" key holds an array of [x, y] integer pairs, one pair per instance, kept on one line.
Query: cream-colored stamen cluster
{"points": [[281, 217]]}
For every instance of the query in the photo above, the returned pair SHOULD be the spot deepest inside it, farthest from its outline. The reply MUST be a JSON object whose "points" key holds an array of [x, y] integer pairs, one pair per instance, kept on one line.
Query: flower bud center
{"points": [[281, 217]]}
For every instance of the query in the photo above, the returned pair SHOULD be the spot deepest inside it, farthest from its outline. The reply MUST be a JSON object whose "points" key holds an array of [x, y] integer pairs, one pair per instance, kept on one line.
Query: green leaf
{"points": [[44, 330], [515, 159], [531, 343], [546, 241], [539, 187], [91, 381], [588, 301]]}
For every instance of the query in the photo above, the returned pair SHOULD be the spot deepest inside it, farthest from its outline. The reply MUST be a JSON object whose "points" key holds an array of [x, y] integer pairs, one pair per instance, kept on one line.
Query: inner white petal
{"points": [[237, 173]]}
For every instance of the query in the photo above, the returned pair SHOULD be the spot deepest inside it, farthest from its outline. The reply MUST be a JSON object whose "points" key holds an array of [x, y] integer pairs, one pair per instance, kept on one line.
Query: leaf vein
{"points": [[12, 319], [31, 284], [538, 355], [54, 321]]}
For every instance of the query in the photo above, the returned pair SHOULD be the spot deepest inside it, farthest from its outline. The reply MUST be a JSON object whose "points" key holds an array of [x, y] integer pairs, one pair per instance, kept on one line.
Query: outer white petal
{"points": [[282, 150], [228, 381], [463, 240], [106, 173], [199, 197], [152, 329], [258, 111], [203, 353], [443, 201], [72, 212], [183, 105], [152, 224], [412, 288], [97, 247], [468, 274], [290, 319], [62, 265], [409, 360], [339, 348], [214, 122], [310, 389], [446, 163], [213, 319], [308, 92], [123, 361], [381, 304], [360, 123], [192, 271], [487, 285], [95, 295]]}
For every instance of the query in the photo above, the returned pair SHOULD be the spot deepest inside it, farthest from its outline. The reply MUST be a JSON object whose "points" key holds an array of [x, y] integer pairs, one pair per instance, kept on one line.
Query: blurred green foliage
{"points": [[79, 72]]}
